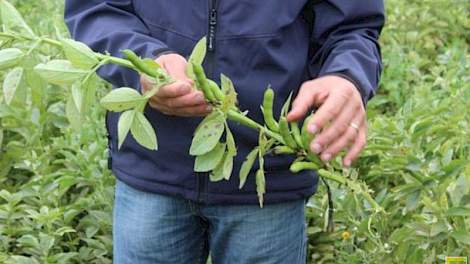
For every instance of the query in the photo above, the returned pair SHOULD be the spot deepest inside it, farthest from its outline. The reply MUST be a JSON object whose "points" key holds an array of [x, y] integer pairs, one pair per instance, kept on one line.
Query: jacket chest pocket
{"points": [[236, 18], [183, 18], [253, 19]]}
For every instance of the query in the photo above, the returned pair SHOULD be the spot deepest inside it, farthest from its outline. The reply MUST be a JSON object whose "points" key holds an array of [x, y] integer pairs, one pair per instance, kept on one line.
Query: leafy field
{"points": [[56, 193]]}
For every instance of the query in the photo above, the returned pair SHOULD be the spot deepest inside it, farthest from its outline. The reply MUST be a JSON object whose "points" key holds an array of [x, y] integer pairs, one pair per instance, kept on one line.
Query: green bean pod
{"points": [[302, 165], [202, 83], [138, 63], [219, 95], [331, 176], [285, 133], [283, 150], [306, 136], [268, 110], [296, 133]]}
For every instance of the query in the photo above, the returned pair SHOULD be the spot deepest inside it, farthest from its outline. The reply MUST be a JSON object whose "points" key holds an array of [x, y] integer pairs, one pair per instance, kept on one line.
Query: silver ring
{"points": [[354, 125]]}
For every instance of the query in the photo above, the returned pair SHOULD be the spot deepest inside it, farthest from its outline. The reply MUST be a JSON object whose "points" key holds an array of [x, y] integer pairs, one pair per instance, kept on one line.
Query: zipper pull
{"points": [[212, 29]]}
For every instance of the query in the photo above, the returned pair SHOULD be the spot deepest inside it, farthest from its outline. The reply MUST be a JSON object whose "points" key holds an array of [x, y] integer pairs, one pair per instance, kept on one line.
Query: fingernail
{"points": [[347, 163], [316, 148], [326, 157], [312, 128]]}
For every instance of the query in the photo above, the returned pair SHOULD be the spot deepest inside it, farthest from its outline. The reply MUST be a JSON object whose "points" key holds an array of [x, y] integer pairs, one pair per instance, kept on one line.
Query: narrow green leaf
{"points": [[143, 132], [77, 96], [12, 19], [1, 139], [12, 83], [208, 134], [79, 54], [10, 58], [124, 125], [60, 72], [247, 165], [121, 99], [228, 167], [210, 160], [260, 186]]}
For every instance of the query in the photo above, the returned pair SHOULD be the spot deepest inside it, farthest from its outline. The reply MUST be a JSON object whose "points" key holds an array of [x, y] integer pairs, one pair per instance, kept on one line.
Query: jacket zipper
{"points": [[211, 32], [202, 178]]}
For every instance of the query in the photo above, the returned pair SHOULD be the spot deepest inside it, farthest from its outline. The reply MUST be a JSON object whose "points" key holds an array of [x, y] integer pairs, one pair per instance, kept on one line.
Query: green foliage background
{"points": [[56, 193]]}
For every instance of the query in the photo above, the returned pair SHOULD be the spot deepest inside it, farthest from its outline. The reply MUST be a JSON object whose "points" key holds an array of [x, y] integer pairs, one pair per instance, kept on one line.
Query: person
{"points": [[166, 213]]}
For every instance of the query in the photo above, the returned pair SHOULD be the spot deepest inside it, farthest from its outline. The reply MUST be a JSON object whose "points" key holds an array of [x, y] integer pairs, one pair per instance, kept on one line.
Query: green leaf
{"points": [[228, 167], [143, 132], [223, 169], [79, 54], [231, 146], [197, 57], [461, 236], [124, 125], [10, 58], [199, 52], [230, 99], [12, 19], [210, 160], [458, 211], [37, 84], [60, 72], [12, 83], [247, 165], [122, 99], [73, 115], [207, 134], [260, 186]]}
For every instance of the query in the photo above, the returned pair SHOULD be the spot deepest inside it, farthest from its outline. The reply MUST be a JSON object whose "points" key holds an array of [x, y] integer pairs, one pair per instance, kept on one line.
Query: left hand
{"points": [[339, 121]]}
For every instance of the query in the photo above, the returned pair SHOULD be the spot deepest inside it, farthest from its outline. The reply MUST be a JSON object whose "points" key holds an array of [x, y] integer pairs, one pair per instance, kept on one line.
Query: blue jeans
{"points": [[154, 228]]}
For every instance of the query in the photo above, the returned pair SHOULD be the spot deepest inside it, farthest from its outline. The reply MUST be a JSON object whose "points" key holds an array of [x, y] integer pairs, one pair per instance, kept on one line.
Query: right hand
{"points": [[179, 98]]}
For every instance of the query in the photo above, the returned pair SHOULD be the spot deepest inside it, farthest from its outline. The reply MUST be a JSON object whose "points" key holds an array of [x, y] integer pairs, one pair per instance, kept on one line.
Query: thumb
{"points": [[175, 65]]}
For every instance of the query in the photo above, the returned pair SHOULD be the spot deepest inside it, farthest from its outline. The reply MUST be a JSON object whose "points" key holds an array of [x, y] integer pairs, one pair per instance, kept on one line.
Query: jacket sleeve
{"points": [[111, 26], [345, 38]]}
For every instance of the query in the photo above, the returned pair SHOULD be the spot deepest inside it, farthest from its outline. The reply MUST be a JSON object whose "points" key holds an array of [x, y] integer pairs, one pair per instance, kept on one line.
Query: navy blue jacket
{"points": [[255, 43]]}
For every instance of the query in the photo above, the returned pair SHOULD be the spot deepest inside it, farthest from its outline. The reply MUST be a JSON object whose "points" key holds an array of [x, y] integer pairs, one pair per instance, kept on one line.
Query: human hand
{"points": [[178, 98], [340, 120]]}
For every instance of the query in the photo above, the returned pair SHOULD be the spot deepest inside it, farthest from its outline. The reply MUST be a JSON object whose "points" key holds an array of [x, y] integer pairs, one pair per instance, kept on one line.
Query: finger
{"points": [[191, 99], [338, 127], [146, 83], [346, 139], [199, 110], [176, 89], [357, 146], [302, 102], [332, 107]]}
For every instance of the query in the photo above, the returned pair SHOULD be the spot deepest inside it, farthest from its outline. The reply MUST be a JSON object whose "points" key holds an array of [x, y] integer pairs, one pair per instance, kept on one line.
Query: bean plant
{"points": [[56, 192]]}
